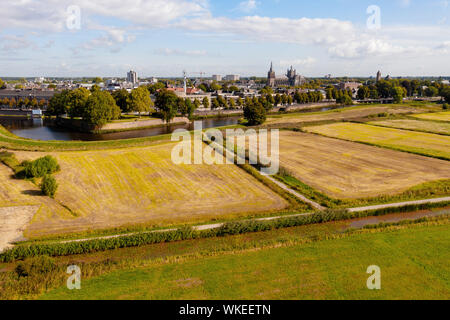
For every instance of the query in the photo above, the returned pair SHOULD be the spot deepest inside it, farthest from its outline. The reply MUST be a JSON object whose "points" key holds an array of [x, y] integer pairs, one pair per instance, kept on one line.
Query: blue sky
{"points": [[165, 37]]}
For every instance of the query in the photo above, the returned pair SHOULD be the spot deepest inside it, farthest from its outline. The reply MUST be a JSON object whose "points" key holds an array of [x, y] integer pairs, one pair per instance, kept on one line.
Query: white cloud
{"points": [[248, 6], [113, 39], [177, 52], [14, 43], [307, 62], [51, 15], [256, 28]]}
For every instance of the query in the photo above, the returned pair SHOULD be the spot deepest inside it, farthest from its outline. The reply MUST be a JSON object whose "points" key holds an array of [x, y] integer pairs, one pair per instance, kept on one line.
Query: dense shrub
{"points": [[445, 106], [35, 266], [40, 167], [49, 186]]}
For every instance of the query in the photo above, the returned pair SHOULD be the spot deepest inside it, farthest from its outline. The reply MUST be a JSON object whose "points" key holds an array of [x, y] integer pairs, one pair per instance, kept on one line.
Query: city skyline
{"points": [[163, 38]]}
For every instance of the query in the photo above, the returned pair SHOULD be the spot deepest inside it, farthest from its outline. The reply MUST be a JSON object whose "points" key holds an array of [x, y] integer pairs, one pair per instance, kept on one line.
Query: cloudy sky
{"points": [[165, 37]]}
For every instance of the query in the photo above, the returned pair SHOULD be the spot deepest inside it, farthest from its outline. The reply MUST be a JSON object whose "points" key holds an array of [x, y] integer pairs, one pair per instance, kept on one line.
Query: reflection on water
{"points": [[39, 129]]}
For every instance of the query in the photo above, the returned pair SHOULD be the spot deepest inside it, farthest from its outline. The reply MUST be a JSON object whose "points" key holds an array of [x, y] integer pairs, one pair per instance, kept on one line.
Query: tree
{"points": [[166, 102], [139, 100], [431, 91], [49, 186], [255, 114], [100, 108], [329, 92], [446, 94], [42, 103], [398, 93], [196, 103], [121, 97], [215, 104], [97, 80], [205, 102], [363, 92], [232, 104], [344, 99], [34, 103], [76, 102], [2, 84], [277, 99], [239, 102]]}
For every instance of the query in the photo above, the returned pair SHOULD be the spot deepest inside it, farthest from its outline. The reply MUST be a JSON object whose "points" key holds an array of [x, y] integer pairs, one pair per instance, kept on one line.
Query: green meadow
{"points": [[413, 262]]}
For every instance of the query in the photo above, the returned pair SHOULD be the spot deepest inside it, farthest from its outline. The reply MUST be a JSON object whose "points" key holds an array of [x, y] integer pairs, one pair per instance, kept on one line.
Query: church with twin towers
{"points": [[291, 78]]}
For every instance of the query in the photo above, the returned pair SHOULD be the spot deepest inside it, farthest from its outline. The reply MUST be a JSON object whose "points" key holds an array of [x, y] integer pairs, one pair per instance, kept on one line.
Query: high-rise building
{"points": [[132, 77], [217, 77], [232, 77]]}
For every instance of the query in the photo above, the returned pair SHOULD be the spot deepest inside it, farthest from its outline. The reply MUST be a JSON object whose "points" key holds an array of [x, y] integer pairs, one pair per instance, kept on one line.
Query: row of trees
{"points": [[23, 103], [95, 107]]}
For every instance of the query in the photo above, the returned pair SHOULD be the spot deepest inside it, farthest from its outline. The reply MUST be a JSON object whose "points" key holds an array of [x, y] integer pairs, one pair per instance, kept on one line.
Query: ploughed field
{"points": [[112, 188], [418, 125], [439, 116], [343, 169], [340, 114], [410, 141]]}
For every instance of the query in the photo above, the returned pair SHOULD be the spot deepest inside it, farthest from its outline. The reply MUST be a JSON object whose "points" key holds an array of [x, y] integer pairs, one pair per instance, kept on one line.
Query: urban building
{"points": [[378, 76], [291, 78], [132, 77], [217, 77], [232, 77]]}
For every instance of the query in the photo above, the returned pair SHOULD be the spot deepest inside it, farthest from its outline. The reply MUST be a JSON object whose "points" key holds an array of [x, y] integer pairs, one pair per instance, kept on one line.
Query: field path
{"points": [[12, 223], [315, 205], [218, 225], [400, 204]]}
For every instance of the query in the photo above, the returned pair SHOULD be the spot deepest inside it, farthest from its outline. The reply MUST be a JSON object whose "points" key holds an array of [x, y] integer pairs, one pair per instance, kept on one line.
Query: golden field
{"points": [[417, 125], [112, 188], [344, 169], [340, 114], [439, 116], [410, 141]]}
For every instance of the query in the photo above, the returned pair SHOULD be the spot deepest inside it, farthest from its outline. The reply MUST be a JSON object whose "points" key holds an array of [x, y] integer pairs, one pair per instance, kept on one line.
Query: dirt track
{"points": [[13, 221]]}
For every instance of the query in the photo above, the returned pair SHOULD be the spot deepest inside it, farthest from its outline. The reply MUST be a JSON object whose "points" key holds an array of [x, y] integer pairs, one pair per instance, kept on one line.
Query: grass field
{"points": [[341, 114], [113, 188], [440, 116], [413, 262], [343, 169], [410, 141], [415, 125]]}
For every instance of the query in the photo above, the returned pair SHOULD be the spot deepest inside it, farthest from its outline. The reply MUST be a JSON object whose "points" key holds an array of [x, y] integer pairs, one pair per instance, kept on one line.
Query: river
{"points": [[41, 129]]}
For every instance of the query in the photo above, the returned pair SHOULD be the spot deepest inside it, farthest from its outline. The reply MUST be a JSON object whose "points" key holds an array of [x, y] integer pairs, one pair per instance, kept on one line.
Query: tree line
{"points": [[23, 103]]}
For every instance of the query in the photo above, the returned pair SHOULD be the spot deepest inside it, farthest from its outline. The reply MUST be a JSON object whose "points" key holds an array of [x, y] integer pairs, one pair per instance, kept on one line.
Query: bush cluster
{"points": [[40, 167]]}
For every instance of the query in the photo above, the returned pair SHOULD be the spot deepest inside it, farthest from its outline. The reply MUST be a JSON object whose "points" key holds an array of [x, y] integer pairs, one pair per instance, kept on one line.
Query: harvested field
{"points": [[113, 188], [410, 141], [439, 116], [417, 125], [19, 201], [343, 169], [340, 114]]}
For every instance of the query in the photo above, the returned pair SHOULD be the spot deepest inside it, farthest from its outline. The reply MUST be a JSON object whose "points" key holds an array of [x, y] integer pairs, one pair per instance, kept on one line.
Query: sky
{"points": [[161, 38]]}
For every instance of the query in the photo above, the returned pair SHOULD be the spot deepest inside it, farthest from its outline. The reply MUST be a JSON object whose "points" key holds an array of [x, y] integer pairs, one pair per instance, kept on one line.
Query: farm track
{"points": [[218, 225]]}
